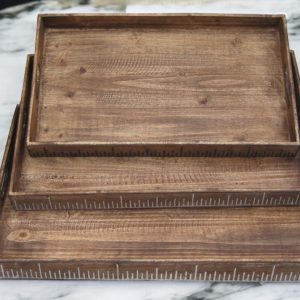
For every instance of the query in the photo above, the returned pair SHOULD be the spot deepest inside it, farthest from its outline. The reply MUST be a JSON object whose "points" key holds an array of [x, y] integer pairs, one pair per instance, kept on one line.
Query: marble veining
{"points": [[110, 290], [17, 35]]}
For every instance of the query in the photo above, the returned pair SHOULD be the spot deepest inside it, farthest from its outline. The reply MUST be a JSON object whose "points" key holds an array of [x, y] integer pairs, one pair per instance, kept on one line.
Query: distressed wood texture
{"points": [[162, 85], [42, 183], [6, 164], [239, 244]]}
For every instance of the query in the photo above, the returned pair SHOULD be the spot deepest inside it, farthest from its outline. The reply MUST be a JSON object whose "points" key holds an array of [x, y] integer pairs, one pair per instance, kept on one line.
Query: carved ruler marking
{"points": [[46, 272], [120, 202]]}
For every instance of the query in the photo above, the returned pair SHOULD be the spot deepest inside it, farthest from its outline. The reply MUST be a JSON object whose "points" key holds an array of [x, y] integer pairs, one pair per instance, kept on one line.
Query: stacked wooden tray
{"points": [[130, 113], [162, 85]]}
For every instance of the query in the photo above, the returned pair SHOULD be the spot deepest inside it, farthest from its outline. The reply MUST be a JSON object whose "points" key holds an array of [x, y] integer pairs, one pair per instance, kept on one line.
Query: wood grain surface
{"points": [[162, 85], [246, 244], [6, 165], [40, 183]]}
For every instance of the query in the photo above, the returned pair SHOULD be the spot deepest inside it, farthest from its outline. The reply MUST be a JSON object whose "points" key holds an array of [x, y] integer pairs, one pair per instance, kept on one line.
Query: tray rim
{"points": [[82, 148]]}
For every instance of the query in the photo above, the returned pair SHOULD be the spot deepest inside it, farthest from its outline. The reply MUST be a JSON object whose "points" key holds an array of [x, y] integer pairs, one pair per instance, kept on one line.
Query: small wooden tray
{"points": [[39, 183], [162, 85]]}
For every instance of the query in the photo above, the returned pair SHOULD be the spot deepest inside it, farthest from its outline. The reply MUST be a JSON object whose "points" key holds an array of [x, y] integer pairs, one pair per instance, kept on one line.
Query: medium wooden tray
{"points": [[239, 244], [39, 183], [162, 85]]}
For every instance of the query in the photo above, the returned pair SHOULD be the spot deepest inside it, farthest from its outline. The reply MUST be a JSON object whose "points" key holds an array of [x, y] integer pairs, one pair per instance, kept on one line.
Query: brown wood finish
{"points": [[41, 183], [253, 244], [239, 244], [162, 85], [296, 78], [6, 164]]}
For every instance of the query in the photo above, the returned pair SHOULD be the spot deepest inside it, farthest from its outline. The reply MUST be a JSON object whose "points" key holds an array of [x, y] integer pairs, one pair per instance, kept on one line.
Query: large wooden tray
{"points": [[256, 244], [42, 183], [239, 244], [162, 85]]}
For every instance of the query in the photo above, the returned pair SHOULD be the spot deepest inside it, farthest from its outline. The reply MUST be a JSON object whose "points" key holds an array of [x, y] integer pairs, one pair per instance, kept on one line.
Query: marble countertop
{"points": [[17, 36]]}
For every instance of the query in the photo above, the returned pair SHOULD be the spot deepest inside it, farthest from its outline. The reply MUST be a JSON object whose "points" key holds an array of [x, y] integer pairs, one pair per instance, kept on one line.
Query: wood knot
{"points": [[236, 41], [82, 70], [23, 234], [204, 101], [62, 62], [70, 94]]}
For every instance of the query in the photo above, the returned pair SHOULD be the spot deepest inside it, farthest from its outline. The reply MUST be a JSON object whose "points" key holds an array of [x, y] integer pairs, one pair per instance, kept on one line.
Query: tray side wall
{"points": [[22, 121], [148, 270], [5, 171], [290, 85], [119, 200], [296, 78]]}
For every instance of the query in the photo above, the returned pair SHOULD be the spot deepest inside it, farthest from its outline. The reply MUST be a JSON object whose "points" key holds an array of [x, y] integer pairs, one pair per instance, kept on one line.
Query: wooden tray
{"points": [[42, 183], [260, 244], [162, 85], [239, 244]]}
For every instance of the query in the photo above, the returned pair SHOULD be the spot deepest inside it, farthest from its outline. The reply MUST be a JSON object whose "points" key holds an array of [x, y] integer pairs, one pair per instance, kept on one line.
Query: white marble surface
{"points": [[17, 34]]}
